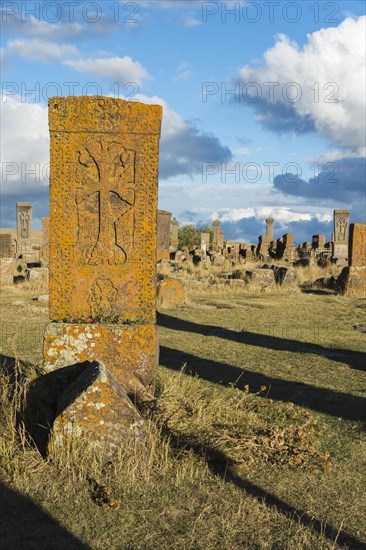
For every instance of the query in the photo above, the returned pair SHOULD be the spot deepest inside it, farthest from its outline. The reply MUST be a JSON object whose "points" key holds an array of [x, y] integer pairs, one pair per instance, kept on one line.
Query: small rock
{"points": [[170, 293], [19, 303], [42, 298]]}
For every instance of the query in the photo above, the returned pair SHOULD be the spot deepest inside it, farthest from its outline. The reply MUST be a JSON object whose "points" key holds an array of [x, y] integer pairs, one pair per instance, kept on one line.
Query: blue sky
{"points": [[264, 102]]}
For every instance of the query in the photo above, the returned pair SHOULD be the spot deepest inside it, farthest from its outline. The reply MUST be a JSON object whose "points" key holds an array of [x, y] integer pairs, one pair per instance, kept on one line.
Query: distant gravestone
{"points": [[174, 236], [6, 246], [205, 242], [170, 293], [103, 208], [353, 277], [163, 236], [24, 220], [340, 241], [269, 230], [216, 234]]}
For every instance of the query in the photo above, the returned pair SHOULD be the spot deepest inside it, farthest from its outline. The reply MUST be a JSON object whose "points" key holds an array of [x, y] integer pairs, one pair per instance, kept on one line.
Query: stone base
{"points": [[352, 278], [97, 408], [129, 352], [339, 252]]}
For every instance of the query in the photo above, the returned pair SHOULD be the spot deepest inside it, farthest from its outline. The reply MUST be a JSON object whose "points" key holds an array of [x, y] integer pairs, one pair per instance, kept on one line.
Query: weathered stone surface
{"points": [[352, 279], [170, 293], [174, 237], [7, 266], [285, 276], [357, 244], [21, 271], [103, 196], [340, 251], [129, 352], [95, 408], [263, 278], [163, 234], [341, 224], [7, 248], [24, 221]]}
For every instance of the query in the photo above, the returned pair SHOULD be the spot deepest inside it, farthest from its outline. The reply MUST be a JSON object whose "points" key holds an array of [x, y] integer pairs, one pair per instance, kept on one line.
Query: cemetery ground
{"points": [[255, 435]]}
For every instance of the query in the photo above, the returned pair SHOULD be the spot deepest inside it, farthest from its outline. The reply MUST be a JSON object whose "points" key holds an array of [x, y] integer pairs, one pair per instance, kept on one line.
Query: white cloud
{"points": [[332, 57], [25, 126], [122, 69], [41, 50], [184, 71], [190, 21]]}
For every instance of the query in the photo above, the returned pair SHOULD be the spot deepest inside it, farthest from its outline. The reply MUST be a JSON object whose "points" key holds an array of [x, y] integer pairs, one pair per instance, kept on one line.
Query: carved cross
{"points": [[105, 169]]}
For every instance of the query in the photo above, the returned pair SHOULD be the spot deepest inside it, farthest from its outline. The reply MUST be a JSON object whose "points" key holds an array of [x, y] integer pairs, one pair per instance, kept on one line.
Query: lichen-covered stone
{"points": [[352, 279], [170, 293], [129, 352], [357, 244], [263, 278], [103, 204], [96, 409]]}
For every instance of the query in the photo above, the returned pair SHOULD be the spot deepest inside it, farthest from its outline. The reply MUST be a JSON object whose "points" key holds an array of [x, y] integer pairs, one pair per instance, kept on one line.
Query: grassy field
{"points": [[256, 437]]}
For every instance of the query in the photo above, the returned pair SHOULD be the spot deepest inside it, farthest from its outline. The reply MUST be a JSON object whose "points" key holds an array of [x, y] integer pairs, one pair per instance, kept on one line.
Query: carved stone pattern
{"points": [[105, 198]]}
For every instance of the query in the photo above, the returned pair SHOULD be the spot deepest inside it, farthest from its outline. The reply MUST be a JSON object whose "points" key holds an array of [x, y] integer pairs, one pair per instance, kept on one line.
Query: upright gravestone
{"points": [[103, 209], [205, 242], [6, 246], [353, 277], [269, 229], [216, 234], [24, 221], [340, 241], [174, 237], [164, 221]]}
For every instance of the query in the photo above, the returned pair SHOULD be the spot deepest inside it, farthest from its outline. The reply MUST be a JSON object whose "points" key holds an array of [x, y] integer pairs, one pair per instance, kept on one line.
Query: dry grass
{"points": [[258, 442]]}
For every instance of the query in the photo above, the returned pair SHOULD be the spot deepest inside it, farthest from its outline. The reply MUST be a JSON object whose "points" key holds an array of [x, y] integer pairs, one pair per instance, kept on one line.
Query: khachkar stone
{"points": [[163, 234], [269, 229], [103, 210], [24, 221], [340, 241], [174, 237]]}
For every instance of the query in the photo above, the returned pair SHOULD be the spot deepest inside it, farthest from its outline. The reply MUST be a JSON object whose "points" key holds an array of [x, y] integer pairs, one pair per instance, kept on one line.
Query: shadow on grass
{"points": [[25, 526], [39, 408], [318, 399], [356, 360], [220, 465]]}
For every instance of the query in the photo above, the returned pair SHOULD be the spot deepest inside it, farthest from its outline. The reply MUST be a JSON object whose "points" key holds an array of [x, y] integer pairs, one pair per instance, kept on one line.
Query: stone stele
{"points": [[103, 204], [103, 209]]}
